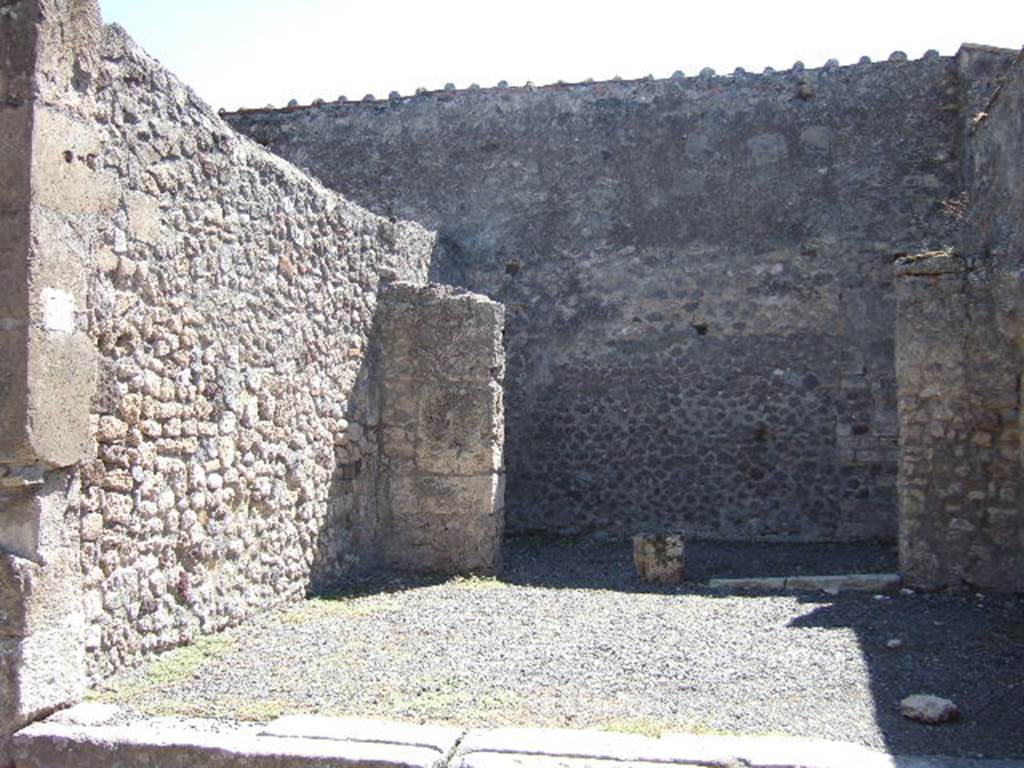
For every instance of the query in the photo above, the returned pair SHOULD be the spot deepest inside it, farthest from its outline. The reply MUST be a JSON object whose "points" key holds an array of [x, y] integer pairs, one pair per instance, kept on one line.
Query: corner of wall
{"points": [[48, 207], [959, 356]]}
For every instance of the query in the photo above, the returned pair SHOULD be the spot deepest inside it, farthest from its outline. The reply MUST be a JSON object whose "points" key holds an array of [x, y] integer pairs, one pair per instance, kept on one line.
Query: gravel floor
{"points": [[568, 638]]}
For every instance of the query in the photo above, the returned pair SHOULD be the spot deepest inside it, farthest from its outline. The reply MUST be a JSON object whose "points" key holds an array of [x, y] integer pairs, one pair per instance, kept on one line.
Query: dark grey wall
{"points": [[697, 274]]}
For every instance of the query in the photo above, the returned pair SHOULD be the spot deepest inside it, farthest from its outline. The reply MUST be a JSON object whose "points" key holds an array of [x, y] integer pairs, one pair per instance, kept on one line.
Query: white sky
{"points": [[247, 53]]}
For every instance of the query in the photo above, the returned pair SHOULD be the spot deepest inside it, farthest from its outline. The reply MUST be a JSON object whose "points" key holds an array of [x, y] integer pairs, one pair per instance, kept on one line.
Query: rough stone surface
{"points": [[208, 408], [231, 304], [322, 742], [48, 212], [46, 222], [437, 737], [198, 744], [960, 356], [569, 637], [927, 708], [548, 748], [192, 318], [697, 275], [439, 364], [659, 557]]}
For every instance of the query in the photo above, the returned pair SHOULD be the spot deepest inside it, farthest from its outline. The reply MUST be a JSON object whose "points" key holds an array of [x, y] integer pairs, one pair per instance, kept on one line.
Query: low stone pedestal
{"points": [[659, 557]]}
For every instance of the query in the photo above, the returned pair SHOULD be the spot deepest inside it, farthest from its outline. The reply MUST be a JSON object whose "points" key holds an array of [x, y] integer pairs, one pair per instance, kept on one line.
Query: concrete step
{"points": [[98, 736], [831, 584], [81, 740], [543, 748]]}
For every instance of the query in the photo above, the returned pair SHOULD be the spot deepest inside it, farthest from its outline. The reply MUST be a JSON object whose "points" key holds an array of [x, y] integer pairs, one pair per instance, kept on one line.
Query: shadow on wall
{"points": [[348, 537]]}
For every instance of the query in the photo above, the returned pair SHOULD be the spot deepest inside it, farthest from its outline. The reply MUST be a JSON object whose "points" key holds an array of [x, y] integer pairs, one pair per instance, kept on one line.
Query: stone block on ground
{"points": [[926, 708], [658, 557]]}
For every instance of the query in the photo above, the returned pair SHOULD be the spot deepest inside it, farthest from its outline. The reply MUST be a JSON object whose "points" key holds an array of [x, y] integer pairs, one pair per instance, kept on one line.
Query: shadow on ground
{"points": [[967, 647], [589, 563]]}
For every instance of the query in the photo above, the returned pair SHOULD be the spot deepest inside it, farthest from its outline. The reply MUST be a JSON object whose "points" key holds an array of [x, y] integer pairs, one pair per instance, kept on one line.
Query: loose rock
{"points": [[926, 708], [658, 557]]}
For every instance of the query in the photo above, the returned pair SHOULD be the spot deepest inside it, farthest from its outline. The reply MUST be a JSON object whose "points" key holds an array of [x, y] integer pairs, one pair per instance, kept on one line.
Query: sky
{"points": [[249, 53]]}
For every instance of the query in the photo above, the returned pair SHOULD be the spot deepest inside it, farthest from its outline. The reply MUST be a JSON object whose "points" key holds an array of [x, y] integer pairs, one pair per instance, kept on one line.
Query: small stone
{"points": [[293, 103], [92, 526], [864, 60], [449, 87], [214, 481], [926, 708], [678, 75], [111, 429], [658, 557], [894, 644], [707, 72], [897, 56]]}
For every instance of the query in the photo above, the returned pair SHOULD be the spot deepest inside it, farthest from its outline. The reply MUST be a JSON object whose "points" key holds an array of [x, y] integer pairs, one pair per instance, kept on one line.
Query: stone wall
{"points": [[185, 332], [697, 273], [231, 306], [438, 369], [48, 370], [959, 344]]}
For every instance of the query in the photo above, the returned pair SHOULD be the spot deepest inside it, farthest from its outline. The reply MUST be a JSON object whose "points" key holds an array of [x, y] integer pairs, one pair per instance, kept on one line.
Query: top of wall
{"points": [[707, 78]]}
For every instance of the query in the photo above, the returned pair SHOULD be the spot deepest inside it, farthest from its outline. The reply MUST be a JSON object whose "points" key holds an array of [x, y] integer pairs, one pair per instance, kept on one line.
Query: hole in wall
{"points": [[700, 328], [512, 267]]}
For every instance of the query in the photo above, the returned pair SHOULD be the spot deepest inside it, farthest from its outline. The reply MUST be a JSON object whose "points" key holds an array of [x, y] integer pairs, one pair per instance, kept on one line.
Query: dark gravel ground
{"points": [[567, 637]]}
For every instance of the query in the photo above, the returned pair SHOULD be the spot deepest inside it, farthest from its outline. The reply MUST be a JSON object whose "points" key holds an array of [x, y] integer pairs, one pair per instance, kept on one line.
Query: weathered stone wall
{"points": [[438, 368], [697, 273], [187, 331], [960, 359], [231, 307], [48, 369]]}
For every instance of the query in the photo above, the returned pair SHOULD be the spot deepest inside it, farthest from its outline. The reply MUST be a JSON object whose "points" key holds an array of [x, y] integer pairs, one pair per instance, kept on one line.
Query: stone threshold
{"points": [[833, 584], [98, 735]]}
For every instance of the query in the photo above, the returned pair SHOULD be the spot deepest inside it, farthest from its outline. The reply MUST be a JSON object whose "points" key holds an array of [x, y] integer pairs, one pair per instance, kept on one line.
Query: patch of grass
{"points": [[477, 582], [168, 669], [655, 728], [643, 726], [264, 709], [172, 707], [317, 608]]}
